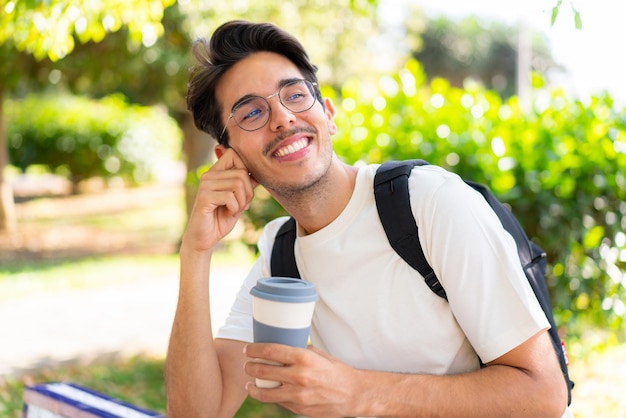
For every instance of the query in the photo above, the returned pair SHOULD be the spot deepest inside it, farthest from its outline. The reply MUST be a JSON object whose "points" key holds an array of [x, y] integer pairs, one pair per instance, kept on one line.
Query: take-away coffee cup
{"points": [[282, 309]]}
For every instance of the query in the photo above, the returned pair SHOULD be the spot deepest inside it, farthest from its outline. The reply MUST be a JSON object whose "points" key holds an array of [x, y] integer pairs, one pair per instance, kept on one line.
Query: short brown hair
{"points": [[230, 43]]}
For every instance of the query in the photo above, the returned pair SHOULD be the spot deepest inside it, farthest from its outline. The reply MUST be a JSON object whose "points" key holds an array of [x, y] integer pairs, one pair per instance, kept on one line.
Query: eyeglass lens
{"points": [[252, 114]]}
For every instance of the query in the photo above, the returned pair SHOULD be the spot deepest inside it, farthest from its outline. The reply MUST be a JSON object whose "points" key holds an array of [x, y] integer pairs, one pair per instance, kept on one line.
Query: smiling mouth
{"points": [[292, 148]]}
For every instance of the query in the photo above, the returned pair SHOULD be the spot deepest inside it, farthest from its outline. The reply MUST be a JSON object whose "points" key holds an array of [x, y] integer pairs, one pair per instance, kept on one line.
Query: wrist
{"points": [[193, 258], [368, 394], [197, 243], [385, 394]]}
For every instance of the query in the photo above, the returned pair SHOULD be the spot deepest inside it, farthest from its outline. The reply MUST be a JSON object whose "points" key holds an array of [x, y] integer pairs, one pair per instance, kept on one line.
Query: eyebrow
{"points": [[248, 97], [242, 100]]}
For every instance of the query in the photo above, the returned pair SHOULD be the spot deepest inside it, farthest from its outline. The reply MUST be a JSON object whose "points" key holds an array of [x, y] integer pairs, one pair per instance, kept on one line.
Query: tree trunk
{"points": [[8, 221], [198, 150]]}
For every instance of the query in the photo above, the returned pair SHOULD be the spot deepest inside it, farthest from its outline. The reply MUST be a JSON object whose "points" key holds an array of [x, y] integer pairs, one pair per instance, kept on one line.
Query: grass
{"points": [[138, 380]]}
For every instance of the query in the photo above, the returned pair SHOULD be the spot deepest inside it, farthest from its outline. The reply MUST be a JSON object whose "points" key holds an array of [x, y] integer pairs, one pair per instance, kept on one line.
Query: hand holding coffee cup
{"points": [[282, 309]]}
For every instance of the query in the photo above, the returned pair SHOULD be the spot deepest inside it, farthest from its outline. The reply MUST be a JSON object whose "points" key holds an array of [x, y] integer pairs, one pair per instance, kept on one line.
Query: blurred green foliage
{"points": [[85, 138], [559, 163], [49, 28], [484, 50]]}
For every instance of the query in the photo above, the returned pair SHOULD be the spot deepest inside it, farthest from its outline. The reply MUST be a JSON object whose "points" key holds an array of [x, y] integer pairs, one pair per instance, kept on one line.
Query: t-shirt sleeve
{"points": [[238, 324], [476, 261]]}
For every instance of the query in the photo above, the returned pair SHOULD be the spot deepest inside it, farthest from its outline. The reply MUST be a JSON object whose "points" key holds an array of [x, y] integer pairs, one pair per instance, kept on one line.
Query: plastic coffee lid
{"points": [[284, 289]]}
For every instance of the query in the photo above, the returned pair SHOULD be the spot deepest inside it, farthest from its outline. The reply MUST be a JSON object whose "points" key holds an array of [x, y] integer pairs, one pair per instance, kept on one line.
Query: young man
{"points": [[382, 343]]}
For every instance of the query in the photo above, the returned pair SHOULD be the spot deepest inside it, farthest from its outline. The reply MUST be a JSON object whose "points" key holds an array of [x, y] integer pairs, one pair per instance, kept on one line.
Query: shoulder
{"points": [[431, 178], [440, 198], [434, 185]]}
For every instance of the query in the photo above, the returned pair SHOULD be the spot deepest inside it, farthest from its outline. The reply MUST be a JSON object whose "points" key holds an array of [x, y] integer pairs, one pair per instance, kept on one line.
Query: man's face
{"points": [[292, 150]]}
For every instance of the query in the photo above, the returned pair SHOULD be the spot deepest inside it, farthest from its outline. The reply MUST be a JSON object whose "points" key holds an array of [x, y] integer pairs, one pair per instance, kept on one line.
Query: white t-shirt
{"points": [[376, 312]]}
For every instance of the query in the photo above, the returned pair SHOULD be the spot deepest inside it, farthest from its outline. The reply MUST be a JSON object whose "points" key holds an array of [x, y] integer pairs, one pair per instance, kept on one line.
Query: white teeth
{"points": [[291, 148]]}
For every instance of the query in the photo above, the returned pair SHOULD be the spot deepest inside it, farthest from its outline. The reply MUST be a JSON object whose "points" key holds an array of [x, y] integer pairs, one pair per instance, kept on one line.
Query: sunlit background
{"points": [[104, 160], [592, 56]]}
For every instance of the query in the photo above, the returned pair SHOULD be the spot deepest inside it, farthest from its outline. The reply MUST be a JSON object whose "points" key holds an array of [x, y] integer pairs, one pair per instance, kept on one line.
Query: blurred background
{"points": [[99, 162]]}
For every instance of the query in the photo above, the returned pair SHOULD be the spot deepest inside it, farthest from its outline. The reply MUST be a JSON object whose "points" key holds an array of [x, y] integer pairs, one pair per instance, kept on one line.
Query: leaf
{"points": [[578, 20], [555, 12]]}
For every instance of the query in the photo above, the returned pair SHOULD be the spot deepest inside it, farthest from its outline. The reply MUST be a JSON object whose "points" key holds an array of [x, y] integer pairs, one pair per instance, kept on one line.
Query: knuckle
{"points": [[305, 379]]}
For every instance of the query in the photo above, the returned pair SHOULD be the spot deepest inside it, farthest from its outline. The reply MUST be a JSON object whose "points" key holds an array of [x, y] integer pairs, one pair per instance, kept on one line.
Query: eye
{"points": [[295, 96], [250, 111], [295, 92]]}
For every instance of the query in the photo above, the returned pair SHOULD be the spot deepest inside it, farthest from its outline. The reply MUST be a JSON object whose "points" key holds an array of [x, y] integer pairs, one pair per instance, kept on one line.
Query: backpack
{"points": [[394, 209]]}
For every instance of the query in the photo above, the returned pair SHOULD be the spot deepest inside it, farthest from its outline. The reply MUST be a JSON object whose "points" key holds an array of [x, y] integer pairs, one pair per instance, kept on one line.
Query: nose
{"points": [[280, 116]]}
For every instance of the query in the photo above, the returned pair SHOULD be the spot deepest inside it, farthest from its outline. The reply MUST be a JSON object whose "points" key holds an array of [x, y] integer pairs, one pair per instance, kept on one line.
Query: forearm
{"points": [[193, 374], [205, 377], [493, 391], [526, 381]]}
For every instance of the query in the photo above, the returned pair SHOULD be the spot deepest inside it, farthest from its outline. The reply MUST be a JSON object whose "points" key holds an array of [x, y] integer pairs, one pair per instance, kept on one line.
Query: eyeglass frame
{"points": [[269, 109]]}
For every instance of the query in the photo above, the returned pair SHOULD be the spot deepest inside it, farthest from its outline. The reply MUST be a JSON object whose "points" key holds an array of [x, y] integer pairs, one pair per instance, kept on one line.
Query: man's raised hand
{"points": [[224, 192]]}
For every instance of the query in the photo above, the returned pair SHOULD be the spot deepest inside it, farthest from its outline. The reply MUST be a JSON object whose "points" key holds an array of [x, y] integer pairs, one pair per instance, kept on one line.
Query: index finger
{"points": [[274, 352], [230, 159]]}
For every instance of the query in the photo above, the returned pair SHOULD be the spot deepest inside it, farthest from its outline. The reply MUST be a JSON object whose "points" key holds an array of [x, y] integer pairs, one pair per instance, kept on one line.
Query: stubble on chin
{"points": [[310, 186]]}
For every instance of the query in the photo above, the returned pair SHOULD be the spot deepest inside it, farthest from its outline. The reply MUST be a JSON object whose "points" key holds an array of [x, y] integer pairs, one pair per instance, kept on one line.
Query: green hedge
{"points": [[560, 166], [85, 138]]}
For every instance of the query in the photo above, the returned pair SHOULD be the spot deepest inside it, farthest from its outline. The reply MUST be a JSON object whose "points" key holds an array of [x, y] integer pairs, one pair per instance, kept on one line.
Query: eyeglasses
{"points": [[253, 112]]}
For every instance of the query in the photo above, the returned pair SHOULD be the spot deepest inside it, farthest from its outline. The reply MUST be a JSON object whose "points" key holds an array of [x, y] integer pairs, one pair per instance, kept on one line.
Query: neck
{"points": [[320, 203]]}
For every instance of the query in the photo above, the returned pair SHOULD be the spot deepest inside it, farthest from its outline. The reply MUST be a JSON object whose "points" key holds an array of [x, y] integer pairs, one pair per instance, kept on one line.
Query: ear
{"points": [[219, 150], [329, 110]]}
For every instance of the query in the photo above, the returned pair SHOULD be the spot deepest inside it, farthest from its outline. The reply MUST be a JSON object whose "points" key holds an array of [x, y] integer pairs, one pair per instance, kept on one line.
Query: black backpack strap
{"points": [[283, 258], [391, 190]]}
